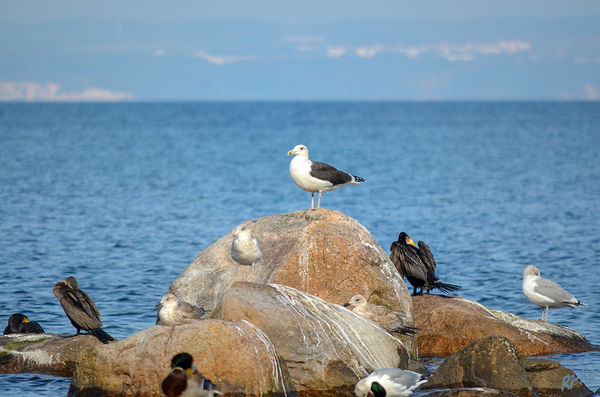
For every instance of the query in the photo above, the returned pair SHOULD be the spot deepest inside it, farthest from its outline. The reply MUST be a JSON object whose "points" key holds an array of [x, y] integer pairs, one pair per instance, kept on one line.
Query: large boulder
{"points": [[448, 324], [46, 354], [322, 252], [491, 362], [327, 348], [237, 356], [551, 379]]}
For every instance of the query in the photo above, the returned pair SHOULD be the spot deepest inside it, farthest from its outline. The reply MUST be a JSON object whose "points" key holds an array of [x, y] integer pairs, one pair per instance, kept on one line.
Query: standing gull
{"points": [[185, 380], [314, 176], [545, 293], [417, 265], [20, 324], [388, 382], [244, 247], [390, 320], [80, 308], [174, 311]]}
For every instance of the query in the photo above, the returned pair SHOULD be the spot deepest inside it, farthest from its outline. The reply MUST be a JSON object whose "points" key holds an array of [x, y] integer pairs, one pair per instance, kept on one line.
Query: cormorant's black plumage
{"points": [[417, 265], [80, 308], [19, 324]]}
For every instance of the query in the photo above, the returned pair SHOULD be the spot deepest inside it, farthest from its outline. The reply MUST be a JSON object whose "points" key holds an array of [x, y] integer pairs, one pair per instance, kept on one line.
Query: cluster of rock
{"points": [[278, 327]]}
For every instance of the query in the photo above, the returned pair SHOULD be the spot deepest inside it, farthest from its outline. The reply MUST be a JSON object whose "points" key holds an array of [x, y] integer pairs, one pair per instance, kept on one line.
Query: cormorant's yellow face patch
{"points": [[410, 241], [26, 320]]}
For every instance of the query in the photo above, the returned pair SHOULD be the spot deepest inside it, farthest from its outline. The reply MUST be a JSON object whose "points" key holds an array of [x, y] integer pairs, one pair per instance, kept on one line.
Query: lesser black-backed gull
{"points": [[244, 247], [390, 320], [389, 382], [317, 177], [174, 311], [80, 308], [545, 293], [417, 265]]}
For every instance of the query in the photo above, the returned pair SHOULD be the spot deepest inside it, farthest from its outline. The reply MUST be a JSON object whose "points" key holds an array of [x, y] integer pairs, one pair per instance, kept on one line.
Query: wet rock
{"points": [[448, 324], [46, 354], [327, 348], [322, 252], [491, 362], [466, 392], [551, 379], [237, 356]]}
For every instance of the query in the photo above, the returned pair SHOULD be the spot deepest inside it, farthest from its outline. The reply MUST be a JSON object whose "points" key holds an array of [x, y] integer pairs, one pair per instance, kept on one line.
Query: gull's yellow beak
{"points": [[290, 153]]}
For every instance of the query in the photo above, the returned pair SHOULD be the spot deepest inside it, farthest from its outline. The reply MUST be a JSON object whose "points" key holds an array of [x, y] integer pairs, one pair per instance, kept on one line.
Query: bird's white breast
{"points": [[300, 173], [529, 283]]}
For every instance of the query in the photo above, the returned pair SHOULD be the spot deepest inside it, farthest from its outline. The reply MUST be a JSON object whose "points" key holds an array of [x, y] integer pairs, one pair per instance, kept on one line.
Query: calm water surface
{"points": [[124, 196]]}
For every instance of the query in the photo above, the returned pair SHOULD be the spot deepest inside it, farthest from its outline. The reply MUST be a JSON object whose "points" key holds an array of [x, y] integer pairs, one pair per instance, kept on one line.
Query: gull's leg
{"points": [[542, 313], [312, 200], [319, 203]]}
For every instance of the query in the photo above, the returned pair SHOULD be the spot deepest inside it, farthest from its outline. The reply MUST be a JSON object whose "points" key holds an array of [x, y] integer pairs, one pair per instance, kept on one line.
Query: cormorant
{"points": [[388, 382], [545, 293], [174, 311], [20, 324], [314, 176], [417, 265], [80, 308], [389, 320], [185, 380]]}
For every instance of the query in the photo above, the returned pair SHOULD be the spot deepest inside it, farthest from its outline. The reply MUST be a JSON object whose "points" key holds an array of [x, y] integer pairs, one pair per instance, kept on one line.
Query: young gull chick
{"points": [[545, 293], [185, 380], [388, 382], [390, 320], [20, 324], [80, 308], [174, 311], [417, 265], [244, 247], [314, 176]]}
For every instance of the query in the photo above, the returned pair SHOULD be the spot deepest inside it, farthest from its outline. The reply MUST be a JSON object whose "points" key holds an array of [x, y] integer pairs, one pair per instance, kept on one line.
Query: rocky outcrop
{"points": [[237, 356], [448, 324], [327, 348], [551, 379], [494, 362], [467, 392], [46, 354], [491, 362], [322, 252]]}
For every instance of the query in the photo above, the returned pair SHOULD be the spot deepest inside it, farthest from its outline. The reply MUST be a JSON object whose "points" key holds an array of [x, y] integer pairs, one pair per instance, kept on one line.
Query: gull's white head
{"points": [[242, 232], [356, 301], [531, 271], [299, 150], [169, 300]]}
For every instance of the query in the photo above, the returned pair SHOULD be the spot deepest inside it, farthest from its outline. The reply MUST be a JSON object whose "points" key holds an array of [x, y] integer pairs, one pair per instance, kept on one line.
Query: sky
{"points": [[311, 50]]}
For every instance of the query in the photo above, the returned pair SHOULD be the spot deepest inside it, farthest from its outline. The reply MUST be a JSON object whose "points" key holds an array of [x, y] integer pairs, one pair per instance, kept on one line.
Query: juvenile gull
{"points": [[388, 382], [19, 323], [390, 320], [545, 293], [314, 176], [174, 311], [417, 265], [185, 380], [80, 308], [244, 247]]}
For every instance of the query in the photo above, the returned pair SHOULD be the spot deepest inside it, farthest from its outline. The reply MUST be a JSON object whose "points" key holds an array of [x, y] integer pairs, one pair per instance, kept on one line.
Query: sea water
{"points": [[124, 196]]}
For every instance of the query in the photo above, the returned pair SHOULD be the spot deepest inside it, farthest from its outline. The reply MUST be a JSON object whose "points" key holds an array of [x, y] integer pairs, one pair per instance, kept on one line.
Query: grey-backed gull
{"points": [[390, 320], [244, 247], [174, 311], [388, 382], [317, 177], [545, 293]]}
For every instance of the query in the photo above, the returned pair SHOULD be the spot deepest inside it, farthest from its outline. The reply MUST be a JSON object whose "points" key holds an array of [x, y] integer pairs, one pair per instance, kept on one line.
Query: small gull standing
{"points": [[545, 293], [174, 311], [390, 320], [317, 177], [244, 247], [388, 382]]}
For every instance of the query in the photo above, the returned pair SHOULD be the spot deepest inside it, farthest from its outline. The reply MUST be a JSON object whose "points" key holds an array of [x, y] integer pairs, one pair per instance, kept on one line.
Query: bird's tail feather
{"points": [[101, 335], [445, 287], [406, 330]]}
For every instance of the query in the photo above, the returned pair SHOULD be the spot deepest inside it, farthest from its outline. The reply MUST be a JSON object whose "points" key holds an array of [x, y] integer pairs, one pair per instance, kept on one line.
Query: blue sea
{"points": [[124, 196]]}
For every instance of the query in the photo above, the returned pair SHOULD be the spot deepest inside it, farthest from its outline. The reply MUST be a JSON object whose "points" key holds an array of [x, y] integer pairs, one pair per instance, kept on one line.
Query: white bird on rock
{"points": [[317, 177], [244, 247], [174, 311], [388, 382], [545, 293]]}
